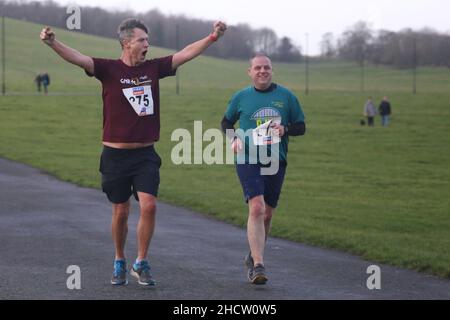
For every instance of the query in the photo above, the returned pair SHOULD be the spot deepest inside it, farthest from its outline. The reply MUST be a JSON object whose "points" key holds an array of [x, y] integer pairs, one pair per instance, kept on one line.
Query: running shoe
{"points": [[119, 275], [258, 275], [141, 271]]}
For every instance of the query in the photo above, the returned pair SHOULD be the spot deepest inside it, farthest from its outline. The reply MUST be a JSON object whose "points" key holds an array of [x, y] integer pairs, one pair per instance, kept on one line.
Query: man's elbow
{"points": [[303, 129], [226, 125], [297, 129]]}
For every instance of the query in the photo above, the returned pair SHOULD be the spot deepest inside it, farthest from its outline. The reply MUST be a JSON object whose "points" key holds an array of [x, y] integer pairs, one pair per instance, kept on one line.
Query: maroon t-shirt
{"points": [[131, 98]]}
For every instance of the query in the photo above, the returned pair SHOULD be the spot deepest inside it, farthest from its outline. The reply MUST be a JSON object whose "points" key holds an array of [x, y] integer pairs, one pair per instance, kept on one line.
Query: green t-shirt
{"points": [[253, 108]]}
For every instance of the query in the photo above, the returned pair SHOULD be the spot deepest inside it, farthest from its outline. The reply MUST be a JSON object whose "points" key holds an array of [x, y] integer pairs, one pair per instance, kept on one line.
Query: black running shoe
{"points": [[248, 261], [258, 275]]}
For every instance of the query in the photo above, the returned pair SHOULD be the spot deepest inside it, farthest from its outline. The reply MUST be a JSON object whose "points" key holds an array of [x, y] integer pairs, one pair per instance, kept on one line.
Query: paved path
{"points": [[47, 225]]}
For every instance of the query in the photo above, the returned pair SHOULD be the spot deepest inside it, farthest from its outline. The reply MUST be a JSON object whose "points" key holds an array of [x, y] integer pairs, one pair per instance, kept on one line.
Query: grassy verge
{"points": [[381, 193]]}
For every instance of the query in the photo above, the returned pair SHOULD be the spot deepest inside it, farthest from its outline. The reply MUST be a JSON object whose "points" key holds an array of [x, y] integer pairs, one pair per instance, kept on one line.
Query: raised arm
{"points": [[67, 53], [195, 49]]}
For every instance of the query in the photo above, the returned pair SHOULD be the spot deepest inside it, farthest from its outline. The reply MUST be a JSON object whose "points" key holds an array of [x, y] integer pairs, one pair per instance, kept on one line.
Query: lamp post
{"points": [[3, 57], [306, 65], [177, 39]]}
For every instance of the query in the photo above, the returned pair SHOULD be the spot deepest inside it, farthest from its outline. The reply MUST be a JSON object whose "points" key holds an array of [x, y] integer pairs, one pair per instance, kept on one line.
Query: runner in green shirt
{"points": [[268, 114]]}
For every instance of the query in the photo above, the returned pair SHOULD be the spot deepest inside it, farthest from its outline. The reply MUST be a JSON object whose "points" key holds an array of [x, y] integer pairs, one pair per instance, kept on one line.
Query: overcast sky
{"points": [[295, 18]]}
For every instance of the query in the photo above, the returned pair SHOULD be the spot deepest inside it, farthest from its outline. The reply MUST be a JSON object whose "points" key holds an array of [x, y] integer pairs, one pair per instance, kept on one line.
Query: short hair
{"points": [[125, 30], [259, 55]]}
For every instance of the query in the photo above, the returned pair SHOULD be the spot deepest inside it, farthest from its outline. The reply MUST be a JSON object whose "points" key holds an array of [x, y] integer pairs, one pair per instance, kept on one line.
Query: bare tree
{"points": [[404, 49], [287, 52], [266, 41], [355, 42], [327, 46]]}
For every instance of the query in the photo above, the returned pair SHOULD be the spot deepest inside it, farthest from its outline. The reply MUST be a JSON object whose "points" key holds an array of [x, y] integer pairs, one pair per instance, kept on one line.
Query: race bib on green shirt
{"points": [[264, 134]]}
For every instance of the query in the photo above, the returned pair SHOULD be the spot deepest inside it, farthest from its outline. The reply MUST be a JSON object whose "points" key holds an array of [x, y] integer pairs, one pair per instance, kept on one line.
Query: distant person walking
{"points": [[370, 111], [385, 111], [42, 79], [131, 126], [45, 78], [38, 81]]}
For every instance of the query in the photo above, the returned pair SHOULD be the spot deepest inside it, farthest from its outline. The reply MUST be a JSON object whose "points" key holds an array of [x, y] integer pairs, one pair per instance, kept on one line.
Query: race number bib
{"points": [[264, 134], [140, 98]]}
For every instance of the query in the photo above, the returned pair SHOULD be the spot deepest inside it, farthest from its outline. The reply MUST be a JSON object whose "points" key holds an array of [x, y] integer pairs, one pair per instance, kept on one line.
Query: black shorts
{"points": [[129, 171], [255, 184]]}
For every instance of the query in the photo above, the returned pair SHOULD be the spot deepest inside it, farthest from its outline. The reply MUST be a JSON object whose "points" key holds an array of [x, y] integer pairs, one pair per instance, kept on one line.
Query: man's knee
{"points": [[257, 207], [121, 211], [147, 204], [268, 216], [148, 208]]}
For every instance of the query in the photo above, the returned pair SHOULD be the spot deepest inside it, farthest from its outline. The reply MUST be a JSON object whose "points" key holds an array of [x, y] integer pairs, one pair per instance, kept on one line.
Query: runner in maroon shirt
{"points": [[129, 163]]}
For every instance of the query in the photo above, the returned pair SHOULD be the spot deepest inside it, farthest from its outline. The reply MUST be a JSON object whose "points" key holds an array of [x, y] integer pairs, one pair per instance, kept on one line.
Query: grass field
{"points": [[381, 193]]}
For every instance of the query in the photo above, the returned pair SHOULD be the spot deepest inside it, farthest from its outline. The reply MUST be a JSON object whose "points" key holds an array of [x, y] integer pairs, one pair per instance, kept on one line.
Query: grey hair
{"points": [[259, 55], [125, 30]]}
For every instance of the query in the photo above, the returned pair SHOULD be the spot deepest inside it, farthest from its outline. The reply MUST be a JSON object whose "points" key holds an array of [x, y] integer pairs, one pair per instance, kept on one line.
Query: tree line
{"points": [[240, 42], [359, 43], [403, 49]]}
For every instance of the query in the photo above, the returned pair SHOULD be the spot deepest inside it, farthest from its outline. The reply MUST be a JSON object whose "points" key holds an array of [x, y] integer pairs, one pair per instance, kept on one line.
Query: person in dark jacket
{"points": [[385, 111], [38, 81], [45, 78]]}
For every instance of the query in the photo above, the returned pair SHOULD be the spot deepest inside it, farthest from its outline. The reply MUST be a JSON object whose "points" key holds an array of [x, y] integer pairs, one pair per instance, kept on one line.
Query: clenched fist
{"points": [[47, 35], [219, 29]]}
